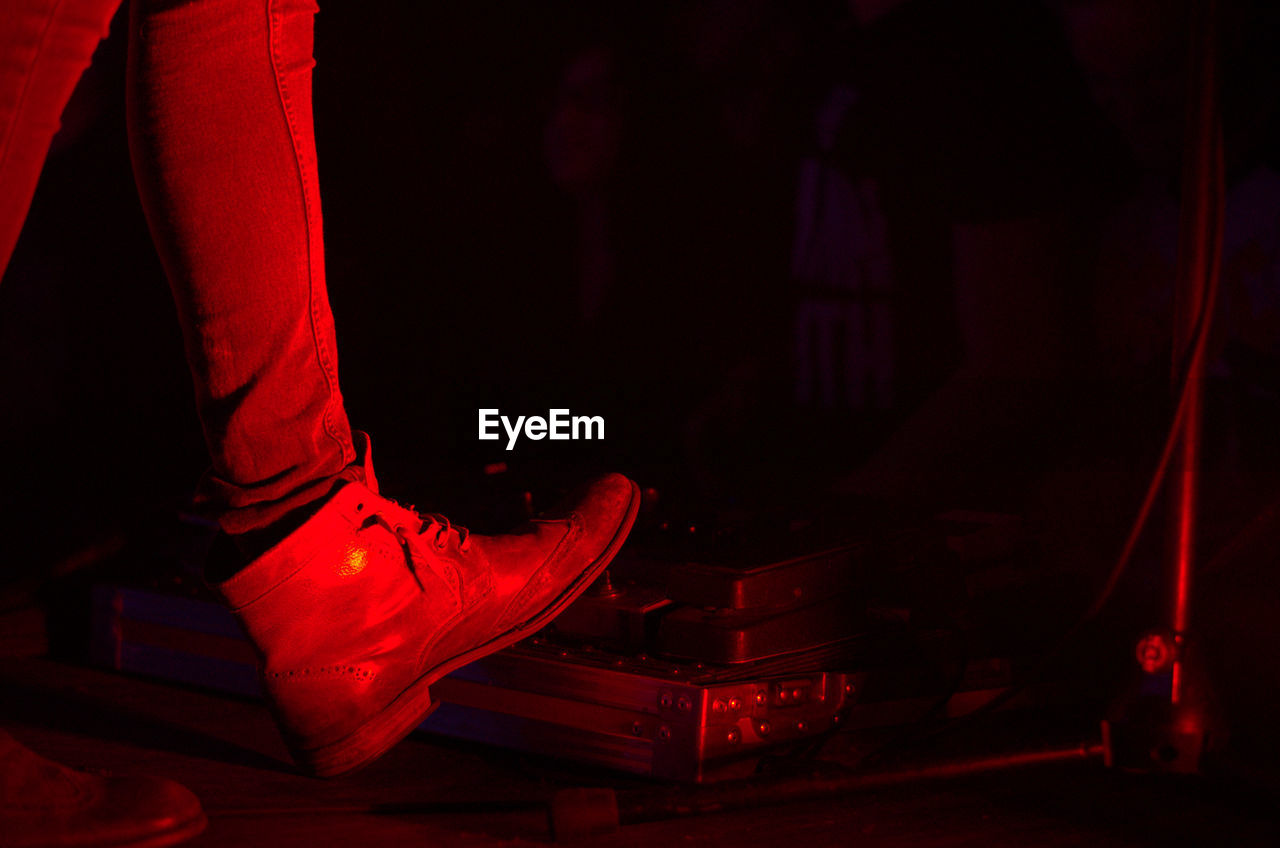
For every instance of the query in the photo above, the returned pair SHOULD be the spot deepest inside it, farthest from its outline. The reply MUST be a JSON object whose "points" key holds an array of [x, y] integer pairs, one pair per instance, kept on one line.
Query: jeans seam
{"points": [[6, 143], [322, 356]]}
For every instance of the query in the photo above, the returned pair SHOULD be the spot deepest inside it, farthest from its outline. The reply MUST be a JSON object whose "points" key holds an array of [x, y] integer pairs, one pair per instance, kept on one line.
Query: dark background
{"points": [[451, 262], [453, 278]]}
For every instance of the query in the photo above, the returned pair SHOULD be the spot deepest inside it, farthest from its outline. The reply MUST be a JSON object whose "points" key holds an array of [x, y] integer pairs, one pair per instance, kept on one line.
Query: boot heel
{"points": [[400, 718]]}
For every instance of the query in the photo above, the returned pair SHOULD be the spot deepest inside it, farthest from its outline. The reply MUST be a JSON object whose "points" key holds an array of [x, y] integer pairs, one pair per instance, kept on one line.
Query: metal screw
{"points": [[603, 587], [664, 700], [637, 729], [734, 736], [684, 704], [664, 733]]}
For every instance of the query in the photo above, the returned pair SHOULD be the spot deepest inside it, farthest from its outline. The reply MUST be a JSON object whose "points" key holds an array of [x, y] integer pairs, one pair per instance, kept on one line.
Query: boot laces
{"points": [[426, 522], [443, 528], [411, 541]]}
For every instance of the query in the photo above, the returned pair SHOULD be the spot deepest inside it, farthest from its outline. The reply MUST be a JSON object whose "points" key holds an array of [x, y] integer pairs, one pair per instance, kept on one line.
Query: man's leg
{"points": [[356, 605], [45, 45], [221, 137]]}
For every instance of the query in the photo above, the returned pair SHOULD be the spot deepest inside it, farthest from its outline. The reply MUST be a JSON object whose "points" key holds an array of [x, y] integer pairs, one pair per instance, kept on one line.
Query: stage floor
{"points": [[444, 793]]}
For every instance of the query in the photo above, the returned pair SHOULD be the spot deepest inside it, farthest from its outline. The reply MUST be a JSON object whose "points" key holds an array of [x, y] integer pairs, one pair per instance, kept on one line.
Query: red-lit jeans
{"points": [[220, 130]]}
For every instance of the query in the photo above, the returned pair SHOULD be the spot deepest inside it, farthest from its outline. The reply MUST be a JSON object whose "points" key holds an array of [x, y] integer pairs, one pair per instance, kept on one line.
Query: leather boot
{"points": [[47, 805], [357, 612]]}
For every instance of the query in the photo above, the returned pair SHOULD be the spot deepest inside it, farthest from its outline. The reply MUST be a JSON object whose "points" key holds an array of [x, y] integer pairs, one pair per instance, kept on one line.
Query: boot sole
{"points": [[399, 718]]}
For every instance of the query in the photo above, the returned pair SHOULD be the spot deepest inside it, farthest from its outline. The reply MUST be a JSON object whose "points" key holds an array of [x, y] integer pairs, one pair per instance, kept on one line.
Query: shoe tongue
{"points": [[364, 458]]}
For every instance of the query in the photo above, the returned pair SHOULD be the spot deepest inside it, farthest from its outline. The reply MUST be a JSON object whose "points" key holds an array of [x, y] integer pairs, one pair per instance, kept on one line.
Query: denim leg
{"points": [[45, 45], [220, 132]]}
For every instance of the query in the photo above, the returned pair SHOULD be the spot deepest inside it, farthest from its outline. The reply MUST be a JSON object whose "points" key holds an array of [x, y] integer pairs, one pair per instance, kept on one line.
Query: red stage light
{"points": [[1155, 652]]}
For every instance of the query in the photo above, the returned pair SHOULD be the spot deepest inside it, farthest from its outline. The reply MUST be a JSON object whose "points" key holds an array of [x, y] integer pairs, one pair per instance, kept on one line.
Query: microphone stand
{"points": [[1168, 721]]}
